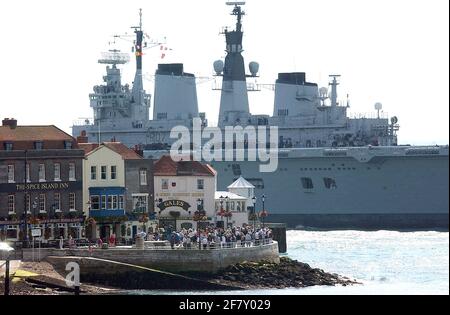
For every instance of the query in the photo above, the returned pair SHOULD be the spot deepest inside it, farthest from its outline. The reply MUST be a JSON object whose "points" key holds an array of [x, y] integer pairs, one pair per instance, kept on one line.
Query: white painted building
{"points": [[234, 204], [182, 190]]}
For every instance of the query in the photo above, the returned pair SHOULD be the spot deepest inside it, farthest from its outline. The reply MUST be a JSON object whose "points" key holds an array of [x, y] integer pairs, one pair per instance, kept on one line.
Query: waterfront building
{"points": [[185, 193], [235, 206], [116, 189], [40, 170]]}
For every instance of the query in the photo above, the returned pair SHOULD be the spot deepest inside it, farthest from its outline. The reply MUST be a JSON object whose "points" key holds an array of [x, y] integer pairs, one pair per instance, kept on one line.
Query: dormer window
{"points": [[38, 145], [68, 145]]}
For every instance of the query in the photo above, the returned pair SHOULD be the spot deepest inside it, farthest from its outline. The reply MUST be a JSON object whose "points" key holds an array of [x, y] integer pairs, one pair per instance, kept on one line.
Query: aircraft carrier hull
{"points": [[367, 189]]}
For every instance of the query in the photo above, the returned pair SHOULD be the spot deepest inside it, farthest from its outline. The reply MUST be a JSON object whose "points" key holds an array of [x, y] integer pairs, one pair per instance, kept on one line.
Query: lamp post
{"points": [[221, 199], [227, 207], [199, 218], [254, 212], [263, 214]]}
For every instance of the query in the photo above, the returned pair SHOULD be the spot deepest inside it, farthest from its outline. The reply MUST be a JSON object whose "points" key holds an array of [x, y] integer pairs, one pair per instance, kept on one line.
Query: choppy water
{"points": [[385, 262]]}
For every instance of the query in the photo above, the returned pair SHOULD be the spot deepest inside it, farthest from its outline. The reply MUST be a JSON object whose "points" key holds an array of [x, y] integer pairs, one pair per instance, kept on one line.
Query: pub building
{"points": [[185, 194], [117, 190], [40, 170]]}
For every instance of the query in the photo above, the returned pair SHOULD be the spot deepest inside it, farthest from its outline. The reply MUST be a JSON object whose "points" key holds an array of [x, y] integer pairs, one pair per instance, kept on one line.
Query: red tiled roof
{"points": [[168, 167], [33, 133], [88, 147], [124, 151]]}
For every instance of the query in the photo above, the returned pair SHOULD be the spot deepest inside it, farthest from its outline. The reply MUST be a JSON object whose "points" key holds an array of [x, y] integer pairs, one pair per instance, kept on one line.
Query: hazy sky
{"points": [[391, 51]]}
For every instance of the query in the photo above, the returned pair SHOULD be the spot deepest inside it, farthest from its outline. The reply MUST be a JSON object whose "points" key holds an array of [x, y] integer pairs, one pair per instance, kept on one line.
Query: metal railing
{"points": [[215, 246]]}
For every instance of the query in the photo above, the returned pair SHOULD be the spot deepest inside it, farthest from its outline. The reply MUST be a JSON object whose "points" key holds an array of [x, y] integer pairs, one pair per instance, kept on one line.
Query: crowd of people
{"points": [[213, 238]]}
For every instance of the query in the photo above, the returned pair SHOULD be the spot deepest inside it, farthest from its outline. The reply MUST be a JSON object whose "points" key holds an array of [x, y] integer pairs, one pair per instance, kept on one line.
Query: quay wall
{"points": [[176, 261]]}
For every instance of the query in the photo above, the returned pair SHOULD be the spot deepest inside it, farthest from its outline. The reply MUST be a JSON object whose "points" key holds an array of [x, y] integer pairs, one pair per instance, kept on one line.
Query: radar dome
{"points": [[323, 92], [394, 120], [254, 68], [218, 66], [378, 106]]}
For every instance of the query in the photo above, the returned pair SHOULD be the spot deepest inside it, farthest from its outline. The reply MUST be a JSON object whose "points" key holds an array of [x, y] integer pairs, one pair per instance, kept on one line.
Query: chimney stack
{"points": [[11, 122], [82, 138]]}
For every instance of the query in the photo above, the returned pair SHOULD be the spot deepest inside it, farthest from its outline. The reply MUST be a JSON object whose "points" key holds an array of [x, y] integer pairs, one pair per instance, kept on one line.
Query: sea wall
{"points": [[176, 261]]}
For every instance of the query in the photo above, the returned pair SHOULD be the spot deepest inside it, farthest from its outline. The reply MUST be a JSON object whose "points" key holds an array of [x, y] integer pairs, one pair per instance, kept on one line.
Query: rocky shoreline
{"points": [[248, 276], [288, 274]]}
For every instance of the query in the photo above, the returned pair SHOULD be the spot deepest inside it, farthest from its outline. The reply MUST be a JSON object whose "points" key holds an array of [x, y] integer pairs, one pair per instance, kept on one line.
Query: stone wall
{"points": [[177, 261]]}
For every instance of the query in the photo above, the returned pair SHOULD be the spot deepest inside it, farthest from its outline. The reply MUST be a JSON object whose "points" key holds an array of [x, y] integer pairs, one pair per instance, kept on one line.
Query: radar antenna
{"points": [[237, 11]]}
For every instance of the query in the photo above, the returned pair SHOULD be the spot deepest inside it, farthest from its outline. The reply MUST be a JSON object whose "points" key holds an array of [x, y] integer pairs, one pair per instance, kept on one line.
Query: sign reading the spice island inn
{"points": [[174, 203], [40, 186]]}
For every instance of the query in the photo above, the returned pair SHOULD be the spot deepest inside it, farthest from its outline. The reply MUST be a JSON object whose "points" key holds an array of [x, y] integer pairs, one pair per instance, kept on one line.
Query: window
{"points": [[68, 145], [103, 202], [103, 175], [11, 203], [140, 203], [165, 184], [114, 202], [38, 145], [110, 203], [95, 202], [307, 183], [161, 116], [121, 202], [57, 202], [93, 172], [42, 172], [113, 172], [11, 177], [72, 174], [28, 202], [200, 184], [143, 177], [330, 183], [57, 168], [283, 112], [8, 146], [237, 170], [72, 201], [42, 203]]}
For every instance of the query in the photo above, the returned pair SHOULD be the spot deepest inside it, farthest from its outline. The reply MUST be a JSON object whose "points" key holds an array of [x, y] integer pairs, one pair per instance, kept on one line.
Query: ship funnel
{"points": [[175, 93], [295, 97], [254, 68], [218, 67]]}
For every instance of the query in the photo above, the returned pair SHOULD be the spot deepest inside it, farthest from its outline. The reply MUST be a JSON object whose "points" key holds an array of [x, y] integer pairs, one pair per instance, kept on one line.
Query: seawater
{"points": [[385, 262]]}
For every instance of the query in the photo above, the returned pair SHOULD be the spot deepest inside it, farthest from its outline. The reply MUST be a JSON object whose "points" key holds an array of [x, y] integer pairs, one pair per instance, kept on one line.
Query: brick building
{"points": [[40, 170]]}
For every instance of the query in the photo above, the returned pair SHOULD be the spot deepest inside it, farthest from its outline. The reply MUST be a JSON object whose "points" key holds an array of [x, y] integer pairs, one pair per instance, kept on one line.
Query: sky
{"points": [[391, 51]]}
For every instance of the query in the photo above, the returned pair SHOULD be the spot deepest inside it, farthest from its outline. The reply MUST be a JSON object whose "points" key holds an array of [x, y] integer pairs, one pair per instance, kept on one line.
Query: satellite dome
{"points": [[323, 92], [218, 66], [254, 68]]}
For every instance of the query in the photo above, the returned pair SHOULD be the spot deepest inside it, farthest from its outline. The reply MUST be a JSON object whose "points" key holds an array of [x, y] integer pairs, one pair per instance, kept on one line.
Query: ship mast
{"points": [[138, 42]]}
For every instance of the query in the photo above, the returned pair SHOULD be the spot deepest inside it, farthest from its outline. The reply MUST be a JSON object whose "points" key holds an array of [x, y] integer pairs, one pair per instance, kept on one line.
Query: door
{"points": [[105, 232]]}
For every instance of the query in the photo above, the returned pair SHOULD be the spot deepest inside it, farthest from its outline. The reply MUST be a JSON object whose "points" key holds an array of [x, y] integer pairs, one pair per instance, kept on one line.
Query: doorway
{"points": [[105, 232]]}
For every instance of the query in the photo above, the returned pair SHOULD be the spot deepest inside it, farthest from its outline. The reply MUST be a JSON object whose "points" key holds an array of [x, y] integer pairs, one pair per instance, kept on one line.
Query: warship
{"points": [[334, 171]]}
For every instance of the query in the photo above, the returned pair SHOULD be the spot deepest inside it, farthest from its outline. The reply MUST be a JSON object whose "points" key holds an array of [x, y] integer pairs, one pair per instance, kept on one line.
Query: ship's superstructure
{"points": [[121, 113], [334, 170]]}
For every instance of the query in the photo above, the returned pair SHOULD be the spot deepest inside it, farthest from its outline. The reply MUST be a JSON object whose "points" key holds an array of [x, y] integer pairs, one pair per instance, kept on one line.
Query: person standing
{"points": [[61, 242]]}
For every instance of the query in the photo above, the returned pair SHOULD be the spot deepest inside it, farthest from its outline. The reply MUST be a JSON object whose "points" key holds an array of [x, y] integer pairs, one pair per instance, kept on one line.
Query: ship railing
{"points": [[368, 116], [215, 246], [83, 122]]}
